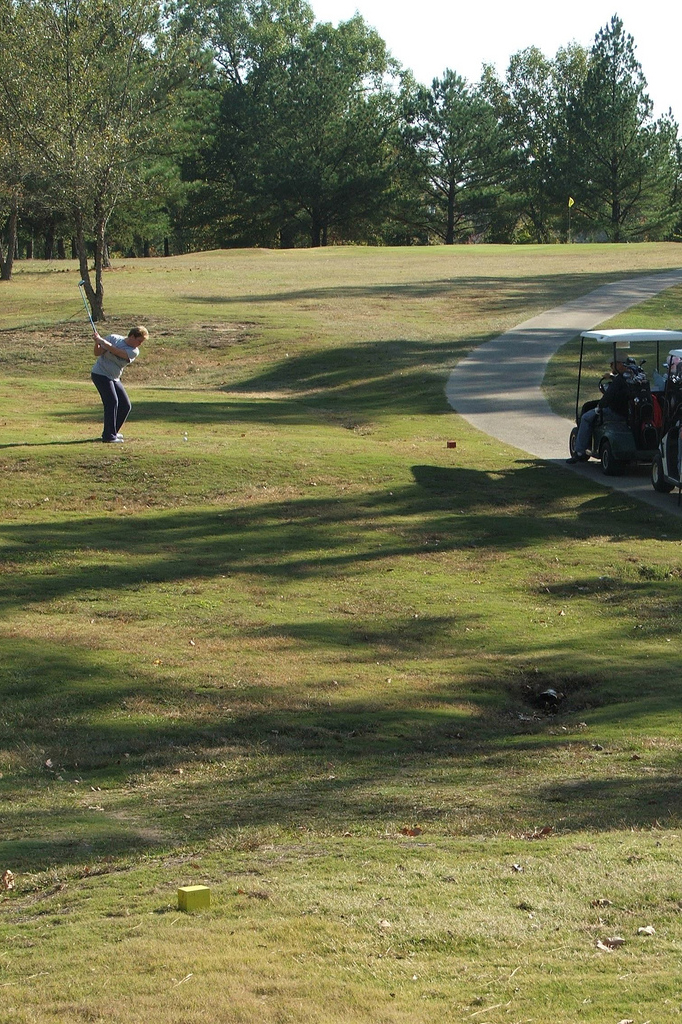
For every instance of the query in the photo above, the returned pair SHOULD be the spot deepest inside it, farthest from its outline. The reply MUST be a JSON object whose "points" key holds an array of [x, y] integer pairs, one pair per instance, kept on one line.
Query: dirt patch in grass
{"points": [[174, 351], [221, 335]]}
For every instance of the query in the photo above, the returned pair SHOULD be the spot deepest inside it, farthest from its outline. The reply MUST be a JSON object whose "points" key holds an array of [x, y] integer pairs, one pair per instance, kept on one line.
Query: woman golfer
{"points": [[114, 353]]}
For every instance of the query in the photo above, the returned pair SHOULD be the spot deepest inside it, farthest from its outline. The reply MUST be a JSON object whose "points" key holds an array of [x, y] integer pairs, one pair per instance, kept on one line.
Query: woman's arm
{"points": [[102, 345]]}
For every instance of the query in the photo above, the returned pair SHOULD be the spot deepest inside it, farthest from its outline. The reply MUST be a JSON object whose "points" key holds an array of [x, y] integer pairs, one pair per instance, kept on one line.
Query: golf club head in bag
{"points": [[80, 287]]}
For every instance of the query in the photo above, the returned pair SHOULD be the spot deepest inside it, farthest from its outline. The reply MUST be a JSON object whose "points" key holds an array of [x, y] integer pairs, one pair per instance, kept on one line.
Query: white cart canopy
{"points": [[624, 337]]}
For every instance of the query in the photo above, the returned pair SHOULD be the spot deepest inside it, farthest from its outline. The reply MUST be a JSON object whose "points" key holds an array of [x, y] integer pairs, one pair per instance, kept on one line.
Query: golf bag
{"points": [[642, 411]]}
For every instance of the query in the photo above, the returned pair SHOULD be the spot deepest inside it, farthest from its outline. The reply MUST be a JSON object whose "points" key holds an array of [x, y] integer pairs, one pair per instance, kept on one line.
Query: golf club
{"points": [[80, 286]]}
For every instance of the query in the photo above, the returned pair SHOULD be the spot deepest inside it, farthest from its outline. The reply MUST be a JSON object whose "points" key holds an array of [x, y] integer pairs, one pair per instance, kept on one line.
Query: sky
{"points": [[430, 35]]}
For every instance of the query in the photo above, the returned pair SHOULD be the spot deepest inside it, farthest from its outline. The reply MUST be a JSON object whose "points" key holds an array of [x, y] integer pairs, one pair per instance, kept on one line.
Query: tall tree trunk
{"points": [[316, 228], [450, 225], [615, 220], [7, 262], [287, 236], [100, 255], [94, 295], [49, 241], [615, 203]]}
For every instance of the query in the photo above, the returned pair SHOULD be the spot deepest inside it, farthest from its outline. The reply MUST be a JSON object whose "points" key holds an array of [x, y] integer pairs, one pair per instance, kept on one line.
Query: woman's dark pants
{"points": [[116, 404]]}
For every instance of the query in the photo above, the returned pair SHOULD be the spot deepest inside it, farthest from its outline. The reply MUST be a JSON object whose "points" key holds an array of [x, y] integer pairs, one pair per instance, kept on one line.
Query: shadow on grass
{"points": [[361, 381], [619, 802], [96, 765], [496, 292], [126, 786], [109, 720], [372, 378], [44, 444], [455, 509]]}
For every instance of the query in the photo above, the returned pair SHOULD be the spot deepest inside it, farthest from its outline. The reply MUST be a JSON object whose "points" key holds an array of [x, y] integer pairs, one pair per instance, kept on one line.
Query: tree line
{"points": [[164, 126]]}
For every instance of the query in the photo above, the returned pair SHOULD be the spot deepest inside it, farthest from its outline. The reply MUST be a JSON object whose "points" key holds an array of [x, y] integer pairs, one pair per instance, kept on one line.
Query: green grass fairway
{"points": [[286, 643]]}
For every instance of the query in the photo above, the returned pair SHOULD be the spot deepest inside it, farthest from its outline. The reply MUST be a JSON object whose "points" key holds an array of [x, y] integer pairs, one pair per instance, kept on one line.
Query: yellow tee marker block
{"points": [[194, 897]]}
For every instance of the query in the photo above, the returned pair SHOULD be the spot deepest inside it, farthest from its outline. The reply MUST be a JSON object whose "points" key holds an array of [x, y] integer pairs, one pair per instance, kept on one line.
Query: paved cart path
{"points": [[497, 387]]}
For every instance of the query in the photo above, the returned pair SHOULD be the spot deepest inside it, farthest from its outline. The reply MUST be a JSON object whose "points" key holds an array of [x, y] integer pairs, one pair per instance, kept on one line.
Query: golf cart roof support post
{"points": [[580, 373]]}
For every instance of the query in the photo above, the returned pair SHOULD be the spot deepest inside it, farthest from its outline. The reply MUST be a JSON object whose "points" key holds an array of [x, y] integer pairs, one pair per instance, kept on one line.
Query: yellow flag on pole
{"points": [[570, 202]]}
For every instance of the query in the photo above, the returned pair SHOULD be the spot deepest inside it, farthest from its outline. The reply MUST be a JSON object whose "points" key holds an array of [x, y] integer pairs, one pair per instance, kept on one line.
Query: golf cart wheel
{"points": [[658, 479], [571, 441], [609, 464]]}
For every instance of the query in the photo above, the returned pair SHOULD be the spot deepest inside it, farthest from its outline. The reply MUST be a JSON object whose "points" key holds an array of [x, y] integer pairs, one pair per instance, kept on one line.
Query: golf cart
{"points": [[620, 441], [666, 468]]}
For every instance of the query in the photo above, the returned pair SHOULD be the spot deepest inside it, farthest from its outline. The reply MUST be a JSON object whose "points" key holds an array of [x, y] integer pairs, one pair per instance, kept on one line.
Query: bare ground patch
{"points": [[173, 351]]}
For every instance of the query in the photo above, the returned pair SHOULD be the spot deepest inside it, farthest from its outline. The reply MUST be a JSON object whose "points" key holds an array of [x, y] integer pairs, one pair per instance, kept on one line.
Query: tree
{"points": [[300, 143], [675, 231], [618, 156], [86, 90], [246, 41], [13, 170], [661, 203], [454, 134], [332, 118], [531, 105], [10, 196]]}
